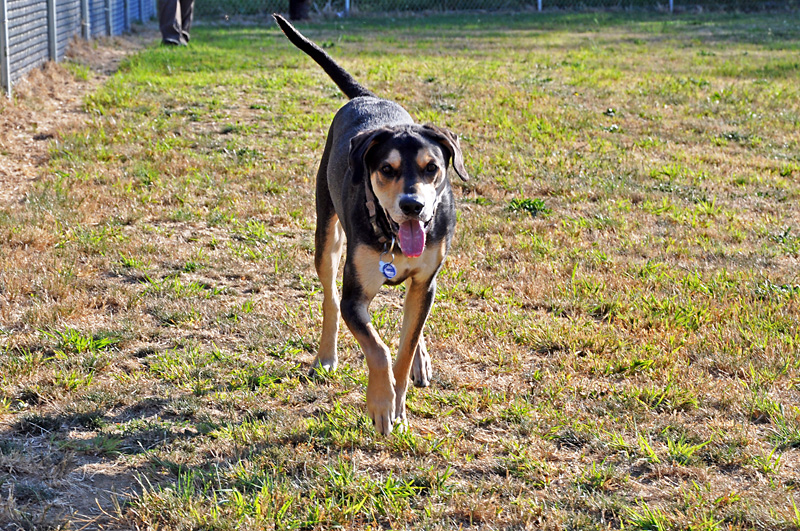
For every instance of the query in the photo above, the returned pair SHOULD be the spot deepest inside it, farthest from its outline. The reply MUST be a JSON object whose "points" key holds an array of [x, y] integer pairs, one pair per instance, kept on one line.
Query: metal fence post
{"points": [[671, 6], [109, 29], [86, 23], [52, 41], [5, 74], [141, 10], [126, 17], [539, 5]]}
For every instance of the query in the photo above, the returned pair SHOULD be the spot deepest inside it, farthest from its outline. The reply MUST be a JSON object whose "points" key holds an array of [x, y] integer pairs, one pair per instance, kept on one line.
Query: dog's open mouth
{"points": [[411, 235]]}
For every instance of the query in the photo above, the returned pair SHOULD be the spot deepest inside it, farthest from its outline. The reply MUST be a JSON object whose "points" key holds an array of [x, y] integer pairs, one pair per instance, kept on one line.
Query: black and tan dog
{"points": [[382, 184]]}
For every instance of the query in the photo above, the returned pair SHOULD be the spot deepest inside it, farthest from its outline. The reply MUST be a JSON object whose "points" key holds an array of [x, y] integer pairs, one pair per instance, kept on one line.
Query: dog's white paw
{"points": [[382, 417], [381, 404], [401, 425], [400, 410], [323, 365]]}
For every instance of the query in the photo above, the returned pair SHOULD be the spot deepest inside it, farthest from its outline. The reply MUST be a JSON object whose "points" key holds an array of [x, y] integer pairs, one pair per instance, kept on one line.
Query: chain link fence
{"points": [[216, 8], [35, 31]]}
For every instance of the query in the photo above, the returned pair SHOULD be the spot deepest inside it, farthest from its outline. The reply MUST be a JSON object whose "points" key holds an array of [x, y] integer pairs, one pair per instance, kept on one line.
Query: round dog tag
{"points": [[388, 270]]}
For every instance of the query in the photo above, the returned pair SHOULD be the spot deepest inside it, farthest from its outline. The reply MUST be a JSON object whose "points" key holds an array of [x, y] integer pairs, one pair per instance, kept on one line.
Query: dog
{"points": [[383, 187]]}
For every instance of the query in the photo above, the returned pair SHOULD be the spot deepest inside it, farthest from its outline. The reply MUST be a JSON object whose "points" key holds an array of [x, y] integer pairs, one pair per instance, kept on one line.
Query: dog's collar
{"points": [[380, 224]]}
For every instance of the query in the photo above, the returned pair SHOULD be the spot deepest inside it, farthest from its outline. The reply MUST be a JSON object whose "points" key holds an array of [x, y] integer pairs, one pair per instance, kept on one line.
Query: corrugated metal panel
{"points": [[146, 9], [22, 64], [149, 9], [27, 36], [118, 17], [97, 10], [135, 10], [68, 23]]}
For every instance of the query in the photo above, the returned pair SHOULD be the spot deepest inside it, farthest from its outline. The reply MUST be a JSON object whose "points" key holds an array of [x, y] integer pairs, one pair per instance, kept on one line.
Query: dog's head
{"points": [[407, 168]]}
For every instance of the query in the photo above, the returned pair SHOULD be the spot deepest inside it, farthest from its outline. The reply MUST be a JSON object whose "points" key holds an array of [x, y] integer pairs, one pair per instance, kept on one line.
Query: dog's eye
{"points": [[431, 168], [386, 169]]}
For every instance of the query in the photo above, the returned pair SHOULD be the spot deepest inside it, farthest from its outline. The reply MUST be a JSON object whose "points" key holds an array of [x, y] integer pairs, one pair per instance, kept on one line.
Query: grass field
{"points": [[615, 340]]}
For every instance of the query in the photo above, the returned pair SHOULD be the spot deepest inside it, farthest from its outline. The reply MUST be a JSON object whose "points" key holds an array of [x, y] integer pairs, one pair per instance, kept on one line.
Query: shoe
{"points": [[172, 42]]}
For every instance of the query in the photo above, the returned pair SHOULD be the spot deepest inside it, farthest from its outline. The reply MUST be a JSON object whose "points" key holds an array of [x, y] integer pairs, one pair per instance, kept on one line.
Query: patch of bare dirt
{"points": [[48, 102]]}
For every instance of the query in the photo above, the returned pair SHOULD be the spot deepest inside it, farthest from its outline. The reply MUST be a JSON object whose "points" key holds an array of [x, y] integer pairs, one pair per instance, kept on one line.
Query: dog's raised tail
{"points": [[346, 82]]}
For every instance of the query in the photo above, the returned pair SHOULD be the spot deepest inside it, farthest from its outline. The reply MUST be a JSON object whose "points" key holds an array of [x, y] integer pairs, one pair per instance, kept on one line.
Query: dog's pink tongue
{"points": [[412, 238]]}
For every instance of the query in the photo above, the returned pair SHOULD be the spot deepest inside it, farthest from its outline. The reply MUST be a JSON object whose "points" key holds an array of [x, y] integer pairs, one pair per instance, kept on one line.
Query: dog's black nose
{"points": [[411, 205]]}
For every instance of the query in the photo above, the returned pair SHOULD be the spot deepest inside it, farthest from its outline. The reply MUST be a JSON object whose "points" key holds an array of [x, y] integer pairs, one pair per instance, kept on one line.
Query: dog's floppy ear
{"points": [[360, 145], [449, 141]]}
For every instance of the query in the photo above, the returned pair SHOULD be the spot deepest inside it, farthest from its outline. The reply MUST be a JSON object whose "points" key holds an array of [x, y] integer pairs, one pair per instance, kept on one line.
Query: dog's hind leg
{"points": [[329, 241], [328, 244]]}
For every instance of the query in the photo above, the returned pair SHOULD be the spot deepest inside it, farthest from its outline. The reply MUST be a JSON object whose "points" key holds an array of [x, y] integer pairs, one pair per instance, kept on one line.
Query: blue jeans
{"points": [[175, 20]]}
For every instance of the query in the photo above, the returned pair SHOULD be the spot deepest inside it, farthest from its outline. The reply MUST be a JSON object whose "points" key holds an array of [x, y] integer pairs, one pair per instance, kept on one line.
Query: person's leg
{"points": [[169, 21], [187, 13]]}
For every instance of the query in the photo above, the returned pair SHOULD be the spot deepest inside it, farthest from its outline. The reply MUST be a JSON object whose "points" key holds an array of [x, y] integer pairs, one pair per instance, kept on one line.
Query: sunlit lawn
{"points": [[615, 339]]}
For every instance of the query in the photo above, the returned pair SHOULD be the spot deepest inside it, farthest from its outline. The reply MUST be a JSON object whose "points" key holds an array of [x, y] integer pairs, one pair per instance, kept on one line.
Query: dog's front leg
{"points": [[419, 300], [381, 384]]}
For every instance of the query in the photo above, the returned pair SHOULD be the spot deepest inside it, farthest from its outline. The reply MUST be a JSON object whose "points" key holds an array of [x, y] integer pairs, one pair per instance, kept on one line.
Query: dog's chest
{"points": [[420, 269]]}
